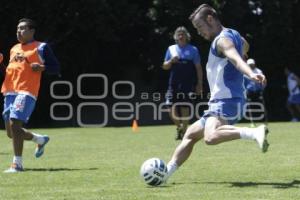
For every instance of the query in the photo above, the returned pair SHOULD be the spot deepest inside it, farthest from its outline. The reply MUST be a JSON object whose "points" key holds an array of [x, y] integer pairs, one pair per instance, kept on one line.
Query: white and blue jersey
{"points": [[226, 83]]}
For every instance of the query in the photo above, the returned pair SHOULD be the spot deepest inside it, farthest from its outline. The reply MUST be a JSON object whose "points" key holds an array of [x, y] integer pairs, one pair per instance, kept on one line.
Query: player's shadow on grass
{"points": [[292, 184], [57, 169]]}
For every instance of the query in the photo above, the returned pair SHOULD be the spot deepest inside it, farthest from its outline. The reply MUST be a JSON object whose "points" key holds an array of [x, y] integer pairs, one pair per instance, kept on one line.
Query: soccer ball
{"points": [[153, 171]]}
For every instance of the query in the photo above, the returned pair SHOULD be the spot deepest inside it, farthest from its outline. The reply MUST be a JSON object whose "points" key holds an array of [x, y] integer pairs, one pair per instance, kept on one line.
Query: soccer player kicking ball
{"points": [[225, 69], [28, 60]]}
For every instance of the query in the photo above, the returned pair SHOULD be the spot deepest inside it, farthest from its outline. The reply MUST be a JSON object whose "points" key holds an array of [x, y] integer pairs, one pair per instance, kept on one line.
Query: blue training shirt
{"points": [[183, 75], [188, 52]]}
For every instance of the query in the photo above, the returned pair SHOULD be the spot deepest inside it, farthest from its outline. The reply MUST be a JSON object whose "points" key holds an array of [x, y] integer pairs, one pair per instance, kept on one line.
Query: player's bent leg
{"points": [[217, 131], [39, 151], [40, 140]]}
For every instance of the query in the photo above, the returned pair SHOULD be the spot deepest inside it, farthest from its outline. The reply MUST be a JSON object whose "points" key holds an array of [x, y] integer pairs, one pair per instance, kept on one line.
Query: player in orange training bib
{"points": [[28, 59]]}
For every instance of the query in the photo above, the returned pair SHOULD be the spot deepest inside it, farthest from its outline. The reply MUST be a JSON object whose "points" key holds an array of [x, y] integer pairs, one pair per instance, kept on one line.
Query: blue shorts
{"points": [[230, 110], [19, 106], [294, 99]]}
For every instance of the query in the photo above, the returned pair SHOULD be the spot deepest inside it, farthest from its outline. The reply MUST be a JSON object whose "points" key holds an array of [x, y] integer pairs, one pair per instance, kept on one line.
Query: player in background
{"points": [[183, 61], [254, 92], [28, 59], [293, 101], [225, 69]]}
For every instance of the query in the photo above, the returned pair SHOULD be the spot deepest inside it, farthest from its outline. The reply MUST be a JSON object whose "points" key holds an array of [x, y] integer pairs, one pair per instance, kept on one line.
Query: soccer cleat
{"points": [[39, 151], [261, 137], [14, 168]]}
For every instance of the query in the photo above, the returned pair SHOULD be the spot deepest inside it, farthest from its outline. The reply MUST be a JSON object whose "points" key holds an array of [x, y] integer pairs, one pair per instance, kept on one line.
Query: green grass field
{"points": [[104, 163]]}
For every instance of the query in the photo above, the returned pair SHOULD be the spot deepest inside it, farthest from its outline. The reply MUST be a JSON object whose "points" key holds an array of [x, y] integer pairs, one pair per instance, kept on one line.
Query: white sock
{"points": [[247, 133], [39, 139], [18, 160], [172, 167]]}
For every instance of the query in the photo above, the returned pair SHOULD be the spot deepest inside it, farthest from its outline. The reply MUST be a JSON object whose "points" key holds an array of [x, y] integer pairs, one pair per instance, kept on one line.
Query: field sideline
{"points": [[103, 164]]}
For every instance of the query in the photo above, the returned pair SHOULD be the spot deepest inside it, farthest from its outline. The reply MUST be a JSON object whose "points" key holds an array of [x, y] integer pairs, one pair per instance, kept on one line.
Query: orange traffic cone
{"points": [[135, 126]]}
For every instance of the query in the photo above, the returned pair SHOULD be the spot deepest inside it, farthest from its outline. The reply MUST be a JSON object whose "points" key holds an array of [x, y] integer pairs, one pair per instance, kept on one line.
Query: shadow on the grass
{"points": [[292, 184], [156, 187], [57, 169]]}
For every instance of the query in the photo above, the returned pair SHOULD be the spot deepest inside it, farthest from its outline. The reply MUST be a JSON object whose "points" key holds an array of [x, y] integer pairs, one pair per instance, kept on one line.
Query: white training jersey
{"points": [[225, 81]]}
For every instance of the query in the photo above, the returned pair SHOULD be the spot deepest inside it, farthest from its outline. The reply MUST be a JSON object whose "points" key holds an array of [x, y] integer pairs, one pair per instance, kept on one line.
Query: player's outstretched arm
{"points": [[226, 47]]}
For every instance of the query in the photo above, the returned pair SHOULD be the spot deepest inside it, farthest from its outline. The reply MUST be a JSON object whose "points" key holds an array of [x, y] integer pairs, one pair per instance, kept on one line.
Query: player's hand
{"points": [[175, 59], [259, 78], [36, 67], [1, 58]]}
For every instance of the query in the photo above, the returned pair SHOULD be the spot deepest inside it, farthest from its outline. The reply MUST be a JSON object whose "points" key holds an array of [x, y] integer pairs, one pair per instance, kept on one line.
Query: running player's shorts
{"points": [[231, 110], [18, 106]]}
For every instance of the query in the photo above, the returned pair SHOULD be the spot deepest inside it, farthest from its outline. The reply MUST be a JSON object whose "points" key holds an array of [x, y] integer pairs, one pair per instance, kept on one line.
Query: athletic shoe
{"points": [[39, 150], [261, 137], [14, 168]]}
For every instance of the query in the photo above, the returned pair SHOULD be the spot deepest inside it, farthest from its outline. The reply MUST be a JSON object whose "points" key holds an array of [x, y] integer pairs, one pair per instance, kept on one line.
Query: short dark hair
{"points": [[204, 10], [31, 24]]}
